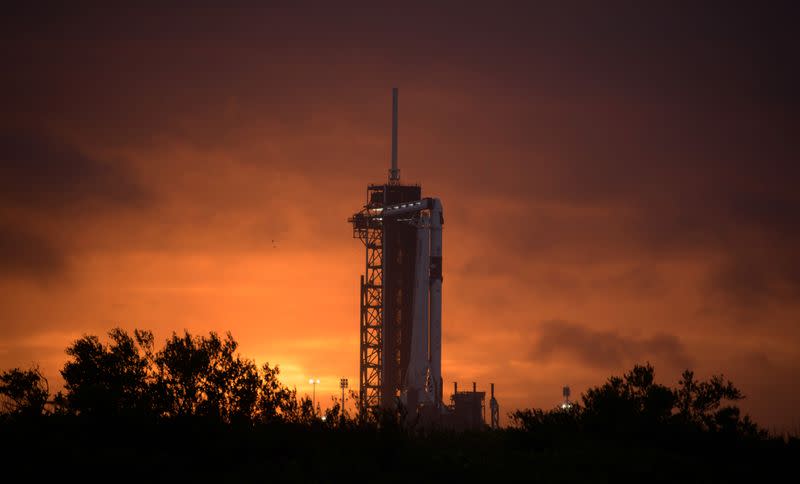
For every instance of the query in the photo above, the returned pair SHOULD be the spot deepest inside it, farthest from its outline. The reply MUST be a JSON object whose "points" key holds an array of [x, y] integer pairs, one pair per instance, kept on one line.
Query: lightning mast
{"points": [[394, 173]]}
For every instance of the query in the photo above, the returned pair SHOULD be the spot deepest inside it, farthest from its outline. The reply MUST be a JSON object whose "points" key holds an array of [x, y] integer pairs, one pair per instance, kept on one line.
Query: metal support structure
{"points": [[370, 232], [314, 382], [343, 384]]}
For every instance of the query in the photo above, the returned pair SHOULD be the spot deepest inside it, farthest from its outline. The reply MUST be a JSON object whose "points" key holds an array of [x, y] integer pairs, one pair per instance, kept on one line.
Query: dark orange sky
{"points": [[619, 185]]}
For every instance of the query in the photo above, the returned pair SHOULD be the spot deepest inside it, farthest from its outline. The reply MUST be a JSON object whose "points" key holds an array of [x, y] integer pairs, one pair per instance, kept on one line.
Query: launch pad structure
{"points": [[400, 350]]}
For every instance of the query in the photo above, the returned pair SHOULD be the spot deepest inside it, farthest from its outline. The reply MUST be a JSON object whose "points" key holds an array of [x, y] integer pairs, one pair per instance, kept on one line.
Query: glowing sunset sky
{"points": [[619, 186]]}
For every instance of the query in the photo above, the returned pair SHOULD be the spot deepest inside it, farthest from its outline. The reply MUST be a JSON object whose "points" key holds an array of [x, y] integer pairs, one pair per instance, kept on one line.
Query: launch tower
{"points": [[401, 293]]}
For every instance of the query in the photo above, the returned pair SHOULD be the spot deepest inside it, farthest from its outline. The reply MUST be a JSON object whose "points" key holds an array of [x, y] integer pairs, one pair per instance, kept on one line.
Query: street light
{"points": [[342, 385], [314, 382]]}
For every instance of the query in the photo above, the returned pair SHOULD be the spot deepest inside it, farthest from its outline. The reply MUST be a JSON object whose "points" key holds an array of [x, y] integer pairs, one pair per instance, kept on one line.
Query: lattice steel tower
{"points": [[370, 232]]}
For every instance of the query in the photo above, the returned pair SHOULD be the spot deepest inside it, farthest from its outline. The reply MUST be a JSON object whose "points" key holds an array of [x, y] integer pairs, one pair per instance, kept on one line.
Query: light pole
{"points": [[343, 385], [314, 382]]}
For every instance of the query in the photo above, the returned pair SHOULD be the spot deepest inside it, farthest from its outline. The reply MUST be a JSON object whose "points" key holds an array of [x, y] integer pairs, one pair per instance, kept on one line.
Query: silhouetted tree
{"points": [[361, 415], [202, 376], [542, 429], [333, 414], [630, 403], [275, 401], [305, 411], [635, 404], [108, 379], [703, 404], [24, 392]]}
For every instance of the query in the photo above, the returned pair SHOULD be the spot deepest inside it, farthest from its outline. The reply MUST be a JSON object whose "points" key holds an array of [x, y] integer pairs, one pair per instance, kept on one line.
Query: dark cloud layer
{"points": [[605, 349], [50, 190], [751, 281], [39, 172], [29, 255]]}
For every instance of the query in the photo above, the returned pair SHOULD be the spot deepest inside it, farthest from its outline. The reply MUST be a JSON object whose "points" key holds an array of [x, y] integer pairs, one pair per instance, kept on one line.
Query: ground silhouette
{"points": [[194, 409]]}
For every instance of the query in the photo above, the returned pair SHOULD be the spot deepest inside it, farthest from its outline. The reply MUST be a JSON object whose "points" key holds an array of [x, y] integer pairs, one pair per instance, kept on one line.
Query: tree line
{"points": [[195, 409], [190, 376], [634, 405], [204, 376]]}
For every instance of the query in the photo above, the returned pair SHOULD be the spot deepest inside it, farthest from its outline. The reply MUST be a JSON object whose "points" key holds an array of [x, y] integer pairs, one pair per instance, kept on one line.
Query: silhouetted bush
{"points": [[23, 392], [634, 406]]}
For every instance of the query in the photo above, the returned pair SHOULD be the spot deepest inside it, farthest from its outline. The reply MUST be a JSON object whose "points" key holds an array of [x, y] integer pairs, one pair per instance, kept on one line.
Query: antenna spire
{"points": [[394, 173]]}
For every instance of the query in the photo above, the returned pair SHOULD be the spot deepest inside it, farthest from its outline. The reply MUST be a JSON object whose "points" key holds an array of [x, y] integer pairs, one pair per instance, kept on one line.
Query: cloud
{"points": [[605, 349], [29, 255], [751, 280], [44, 174], [51, 196]]}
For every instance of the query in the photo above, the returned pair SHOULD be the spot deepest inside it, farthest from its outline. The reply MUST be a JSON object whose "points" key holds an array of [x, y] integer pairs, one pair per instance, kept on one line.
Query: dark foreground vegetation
{"points": [[196, 410]]}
